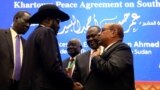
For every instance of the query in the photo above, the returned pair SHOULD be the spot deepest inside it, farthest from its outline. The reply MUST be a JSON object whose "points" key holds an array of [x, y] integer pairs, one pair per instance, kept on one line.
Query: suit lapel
{"points": [[110, 50], [104, 54], [23, 43], [87, 60], [66, 62], [10, 43]]}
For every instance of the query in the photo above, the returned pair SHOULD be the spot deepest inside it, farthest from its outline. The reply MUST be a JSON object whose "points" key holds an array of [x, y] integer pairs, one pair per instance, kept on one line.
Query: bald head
{"points": [[91, 36], [116, 28], [119, 29], [74, 47], [21, 22], [94, 28], [76, 41]]}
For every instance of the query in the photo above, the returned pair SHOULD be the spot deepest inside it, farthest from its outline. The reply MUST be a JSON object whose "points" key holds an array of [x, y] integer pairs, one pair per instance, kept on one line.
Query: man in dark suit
{"points": [[42, 69], [74, 49], [83, 61], [113, 70], [8, 51]]}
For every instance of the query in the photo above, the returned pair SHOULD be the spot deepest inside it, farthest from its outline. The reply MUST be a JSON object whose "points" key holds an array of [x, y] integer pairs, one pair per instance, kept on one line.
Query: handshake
{"points": [[78, 86]]}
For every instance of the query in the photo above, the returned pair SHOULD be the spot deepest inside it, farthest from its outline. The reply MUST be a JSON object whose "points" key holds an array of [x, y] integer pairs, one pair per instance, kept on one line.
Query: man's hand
{"points": [[96, 53], [77, 86]]}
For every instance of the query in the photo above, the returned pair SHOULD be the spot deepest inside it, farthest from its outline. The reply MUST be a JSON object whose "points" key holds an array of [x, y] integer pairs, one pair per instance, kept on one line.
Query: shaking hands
{"points": [[78, 86]]}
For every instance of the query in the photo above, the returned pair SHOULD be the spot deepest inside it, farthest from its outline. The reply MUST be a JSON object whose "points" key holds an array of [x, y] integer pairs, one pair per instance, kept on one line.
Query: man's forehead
{"points": [[92, 30], [73, 42], [107, 25]]}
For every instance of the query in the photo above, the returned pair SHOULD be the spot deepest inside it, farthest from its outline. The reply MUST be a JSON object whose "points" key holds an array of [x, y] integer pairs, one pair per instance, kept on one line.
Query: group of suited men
{"points": [[108, 65], [102, 67]]}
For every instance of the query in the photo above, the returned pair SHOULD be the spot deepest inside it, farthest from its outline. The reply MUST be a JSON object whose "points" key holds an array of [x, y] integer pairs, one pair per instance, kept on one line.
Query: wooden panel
{"points": [[147, 85]]}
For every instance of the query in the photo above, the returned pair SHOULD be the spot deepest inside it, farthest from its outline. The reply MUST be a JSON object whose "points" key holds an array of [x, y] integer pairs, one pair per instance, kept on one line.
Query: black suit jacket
{"points": [[113, 70], [82, 67], [65, 64], [42, 66], [6, 58]]}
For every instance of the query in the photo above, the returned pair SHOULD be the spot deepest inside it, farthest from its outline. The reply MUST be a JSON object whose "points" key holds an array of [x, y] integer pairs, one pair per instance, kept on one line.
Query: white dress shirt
{"points": [[14, 34]]}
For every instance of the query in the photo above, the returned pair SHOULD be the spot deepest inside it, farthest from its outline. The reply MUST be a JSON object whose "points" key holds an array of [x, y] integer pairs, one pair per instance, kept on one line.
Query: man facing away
{"points": [[74, 49], [42, 68], [11, 51]]}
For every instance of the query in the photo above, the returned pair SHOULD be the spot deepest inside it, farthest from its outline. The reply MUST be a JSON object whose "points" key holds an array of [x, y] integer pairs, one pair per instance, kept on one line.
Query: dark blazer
{"points": [[6, 58], [82, 67], [65, 64], [42, 66], [113, 70]]}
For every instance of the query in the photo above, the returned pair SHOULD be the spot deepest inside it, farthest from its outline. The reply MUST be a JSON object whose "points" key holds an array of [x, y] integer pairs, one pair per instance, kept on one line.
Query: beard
{"points": [[55, 28]]}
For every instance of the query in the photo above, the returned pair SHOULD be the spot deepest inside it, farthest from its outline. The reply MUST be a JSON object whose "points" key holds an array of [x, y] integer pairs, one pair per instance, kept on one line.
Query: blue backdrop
{"points": [[140, 19]]}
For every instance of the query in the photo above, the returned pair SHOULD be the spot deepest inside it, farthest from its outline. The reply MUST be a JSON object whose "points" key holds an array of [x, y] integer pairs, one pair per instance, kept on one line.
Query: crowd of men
{"points": [[36, 64]]}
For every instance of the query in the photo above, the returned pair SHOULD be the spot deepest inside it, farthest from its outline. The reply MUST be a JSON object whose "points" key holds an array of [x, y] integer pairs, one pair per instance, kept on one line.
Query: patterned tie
{"points": [[70, 67], [17, 65]]}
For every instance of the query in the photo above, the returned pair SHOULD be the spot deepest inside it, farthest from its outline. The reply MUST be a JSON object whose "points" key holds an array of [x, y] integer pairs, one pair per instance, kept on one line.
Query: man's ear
{"points": [[15, 19], [114, 33]]}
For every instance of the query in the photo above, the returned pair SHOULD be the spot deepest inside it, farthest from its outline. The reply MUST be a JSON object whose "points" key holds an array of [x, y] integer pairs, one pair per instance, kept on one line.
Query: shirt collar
{"points": [[13, 32], [74, 57], [101, 48], [42, 25], [109, 46]]}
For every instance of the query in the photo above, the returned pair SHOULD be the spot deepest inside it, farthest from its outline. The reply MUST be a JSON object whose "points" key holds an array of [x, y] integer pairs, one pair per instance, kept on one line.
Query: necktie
{"points": [[70, 67], [17, 64], [90, 59]]}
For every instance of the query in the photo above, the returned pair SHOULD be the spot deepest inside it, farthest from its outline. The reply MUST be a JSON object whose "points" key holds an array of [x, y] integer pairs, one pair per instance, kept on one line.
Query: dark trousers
{"points": [[14, 85]]}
